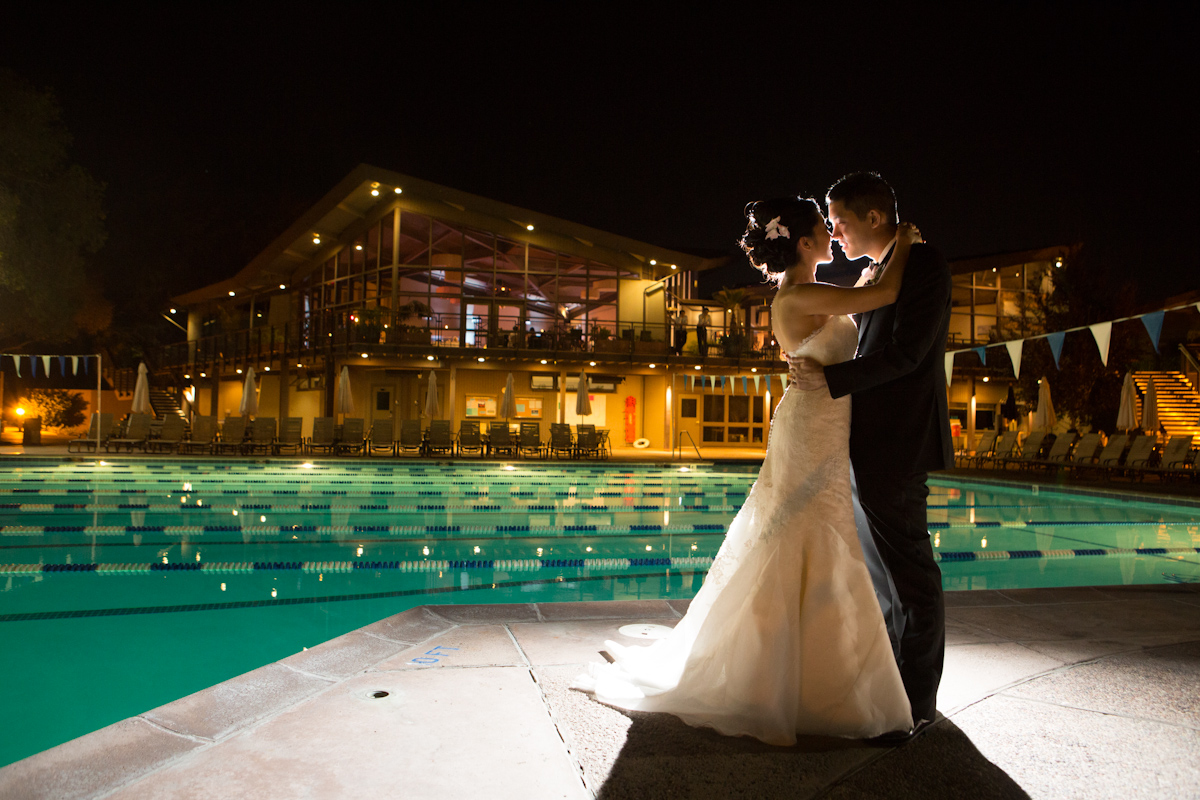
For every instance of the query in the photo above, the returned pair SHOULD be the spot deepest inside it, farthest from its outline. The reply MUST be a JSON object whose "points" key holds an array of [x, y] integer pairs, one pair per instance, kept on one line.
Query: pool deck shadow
{"points": [[1080, 692]]}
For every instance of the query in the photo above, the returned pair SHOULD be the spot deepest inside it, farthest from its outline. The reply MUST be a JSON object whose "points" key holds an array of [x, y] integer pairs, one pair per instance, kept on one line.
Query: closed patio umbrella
{"points": [[141, 391], [507, 406], [1044, 418], [1008, 409], [431, 396], [1150, 410], [1127, 415], [583, 402], [343, 401], [249, 405]]}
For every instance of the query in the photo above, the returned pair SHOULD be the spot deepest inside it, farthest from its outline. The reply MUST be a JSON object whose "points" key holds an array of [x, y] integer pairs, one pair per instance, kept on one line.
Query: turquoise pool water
{"points": [[125, 584]]}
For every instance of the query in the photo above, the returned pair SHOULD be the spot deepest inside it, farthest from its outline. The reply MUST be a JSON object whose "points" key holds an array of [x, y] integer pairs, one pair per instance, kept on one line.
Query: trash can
{"points": [[32, 431]]}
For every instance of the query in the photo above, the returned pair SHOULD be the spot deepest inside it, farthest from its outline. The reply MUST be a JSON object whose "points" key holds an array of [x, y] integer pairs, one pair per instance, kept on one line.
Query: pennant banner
{"points": [[1056, 343], [17, 364], [982, 353], [949, 366], [46, 366], [1102, 331], [756, 383], [62, 366], [74, 365], [1153, 322], [1014, 352], [745, 385]]}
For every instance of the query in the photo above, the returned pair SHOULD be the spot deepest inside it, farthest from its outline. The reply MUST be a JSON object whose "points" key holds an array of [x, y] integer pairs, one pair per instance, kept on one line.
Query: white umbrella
{"points": [[583, 402], [343, 401], [141, 391], [431, 396], [1043, 418], [507, 406], [1150, 410], [249, 405], [1127, 415]]}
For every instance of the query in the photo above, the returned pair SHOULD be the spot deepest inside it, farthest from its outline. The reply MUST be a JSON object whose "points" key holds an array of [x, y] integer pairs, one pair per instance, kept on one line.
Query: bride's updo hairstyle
{"points": [[773, 227]]}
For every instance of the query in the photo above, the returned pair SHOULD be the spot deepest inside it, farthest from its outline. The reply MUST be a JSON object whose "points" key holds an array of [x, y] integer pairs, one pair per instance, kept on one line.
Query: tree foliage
{"points": [[1082, 387], [58, 408], [50, 221]]}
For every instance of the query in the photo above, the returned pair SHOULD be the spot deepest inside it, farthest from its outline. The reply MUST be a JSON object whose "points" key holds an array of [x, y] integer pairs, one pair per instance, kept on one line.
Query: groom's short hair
{"points": [[862, 192]]}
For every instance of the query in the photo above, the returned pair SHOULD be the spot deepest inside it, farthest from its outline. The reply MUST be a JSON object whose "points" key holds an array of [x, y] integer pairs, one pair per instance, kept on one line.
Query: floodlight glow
{"points": [[21, 412]]}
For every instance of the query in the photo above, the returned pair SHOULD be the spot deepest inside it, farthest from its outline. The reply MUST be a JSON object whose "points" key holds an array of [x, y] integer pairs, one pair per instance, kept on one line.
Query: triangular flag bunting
{"points": [[33, 366], [1014, 352], [46, 366], [745, 385], [62, 365], [1056, 343], [1153, 322], [74, 365], [756, 377], [949, 366], [1102, 331], [982, 353], [17, 364]]}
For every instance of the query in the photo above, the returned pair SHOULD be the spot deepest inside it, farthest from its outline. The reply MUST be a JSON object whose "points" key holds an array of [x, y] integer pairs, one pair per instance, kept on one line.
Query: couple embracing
{"points": [[805, 624]]}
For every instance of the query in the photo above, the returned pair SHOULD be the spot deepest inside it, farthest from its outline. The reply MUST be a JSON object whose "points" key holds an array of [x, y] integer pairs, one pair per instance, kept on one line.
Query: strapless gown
{"points": [[785, 637]]}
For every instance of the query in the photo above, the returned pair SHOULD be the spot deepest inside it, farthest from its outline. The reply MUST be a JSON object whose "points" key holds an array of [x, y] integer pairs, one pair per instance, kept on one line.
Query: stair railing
{"points": [[1189, 366]]}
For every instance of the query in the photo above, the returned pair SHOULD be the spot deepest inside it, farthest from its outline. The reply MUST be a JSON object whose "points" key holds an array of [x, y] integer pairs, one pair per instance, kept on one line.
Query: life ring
{"points": [[642, 444]]}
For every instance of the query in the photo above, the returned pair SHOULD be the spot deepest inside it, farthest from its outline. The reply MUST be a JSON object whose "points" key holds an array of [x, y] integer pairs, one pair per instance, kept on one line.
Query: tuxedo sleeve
{"points": [[924, 299]]}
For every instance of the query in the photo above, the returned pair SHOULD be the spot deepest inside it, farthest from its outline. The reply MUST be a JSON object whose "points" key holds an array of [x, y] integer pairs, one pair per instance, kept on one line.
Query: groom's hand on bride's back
{"points": [[806, 374]]}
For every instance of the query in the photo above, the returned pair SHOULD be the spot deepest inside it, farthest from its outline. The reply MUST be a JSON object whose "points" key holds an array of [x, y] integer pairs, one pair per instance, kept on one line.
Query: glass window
{"points": [[687, 407], [739, 408], [758, 410], [714, 409], [713, 434]]}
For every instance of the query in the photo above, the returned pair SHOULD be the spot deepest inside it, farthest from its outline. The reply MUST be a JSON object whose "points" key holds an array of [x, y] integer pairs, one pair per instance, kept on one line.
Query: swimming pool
{"points": [[125, 584]]}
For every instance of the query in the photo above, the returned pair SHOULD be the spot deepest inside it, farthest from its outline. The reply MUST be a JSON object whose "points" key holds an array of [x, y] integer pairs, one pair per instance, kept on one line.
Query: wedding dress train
{"points": [[785, 637]]}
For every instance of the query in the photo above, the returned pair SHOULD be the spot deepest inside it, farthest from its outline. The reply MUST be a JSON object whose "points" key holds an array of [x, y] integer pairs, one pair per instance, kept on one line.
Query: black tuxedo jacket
{"points": [[899, 417]]}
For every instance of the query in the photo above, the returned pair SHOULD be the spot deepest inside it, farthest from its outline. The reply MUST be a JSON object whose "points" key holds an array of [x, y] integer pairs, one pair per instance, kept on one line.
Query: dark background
{"points": [[214, 128]]}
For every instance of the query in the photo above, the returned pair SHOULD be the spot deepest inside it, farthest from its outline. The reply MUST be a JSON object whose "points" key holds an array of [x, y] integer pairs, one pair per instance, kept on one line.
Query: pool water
{"points": [[126, 584]]}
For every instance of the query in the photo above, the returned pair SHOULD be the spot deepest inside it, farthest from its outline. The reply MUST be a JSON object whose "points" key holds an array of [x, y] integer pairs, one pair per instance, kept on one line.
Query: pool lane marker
{"points": [[701, 563], [401, 530]]}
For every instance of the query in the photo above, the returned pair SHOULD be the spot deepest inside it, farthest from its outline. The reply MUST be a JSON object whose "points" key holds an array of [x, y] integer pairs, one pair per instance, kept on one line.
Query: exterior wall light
{"points": [[239, 372], [233, 294], [480, 359], [528, 227], [316, 240], [364, 355], [397, 190], [172, 311], [374, 193], [358, 247], [653, 262]]}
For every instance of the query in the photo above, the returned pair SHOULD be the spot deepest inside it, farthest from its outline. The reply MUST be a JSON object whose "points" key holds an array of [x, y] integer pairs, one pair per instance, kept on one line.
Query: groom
{"points": [[899, 429]]}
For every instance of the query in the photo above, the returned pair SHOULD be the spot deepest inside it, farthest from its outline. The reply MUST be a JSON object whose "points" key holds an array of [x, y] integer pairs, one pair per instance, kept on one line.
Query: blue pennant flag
{"points": [[86, 361], [62, 365], [1056, 343], [1153, 322], [33, 366], [982, 353], [745, 385]]}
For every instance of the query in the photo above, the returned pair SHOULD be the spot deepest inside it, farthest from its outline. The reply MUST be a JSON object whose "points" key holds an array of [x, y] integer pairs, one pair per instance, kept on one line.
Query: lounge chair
{"points": [[587, 441], [500, 441], [984, 445], [382, 438], [1176, 459], [1060, 451], [1031, 448], [1141, 452], [137, 431], [469, 440], [530, 443], [204, 430], [412, 438], [99, 429], [290, 437], [262, 435], [322, 438], [441, 440], [233, 436], [1113, 452], [170, 437], [352, 439], [561, 441]]}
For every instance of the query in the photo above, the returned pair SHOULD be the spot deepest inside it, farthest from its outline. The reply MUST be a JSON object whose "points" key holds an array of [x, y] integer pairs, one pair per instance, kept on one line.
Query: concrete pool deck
{"points": [[1079, 692]]}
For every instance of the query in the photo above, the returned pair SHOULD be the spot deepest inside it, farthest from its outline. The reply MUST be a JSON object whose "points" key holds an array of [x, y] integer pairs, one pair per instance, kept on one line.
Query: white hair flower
{"points": [[775, 230]]}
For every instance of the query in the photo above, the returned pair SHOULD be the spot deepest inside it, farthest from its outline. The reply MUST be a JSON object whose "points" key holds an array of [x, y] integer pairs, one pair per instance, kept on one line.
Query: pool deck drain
{"points": [[1077, 692]]}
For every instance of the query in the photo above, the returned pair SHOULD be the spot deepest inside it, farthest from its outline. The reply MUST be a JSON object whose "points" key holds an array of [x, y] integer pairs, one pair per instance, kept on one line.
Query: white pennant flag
{"points": [[17, 364], [1014, 352], [1102, 331], [756, 377], [46, 366], [74, 365], [949, 366]]}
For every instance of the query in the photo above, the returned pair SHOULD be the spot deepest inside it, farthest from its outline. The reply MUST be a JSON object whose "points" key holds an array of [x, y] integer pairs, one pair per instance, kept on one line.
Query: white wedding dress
{"points": [[785, 637]]}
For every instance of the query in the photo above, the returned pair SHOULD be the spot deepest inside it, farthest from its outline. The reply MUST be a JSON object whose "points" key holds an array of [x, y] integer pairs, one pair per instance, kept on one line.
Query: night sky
{"points": [[1016, 130]]}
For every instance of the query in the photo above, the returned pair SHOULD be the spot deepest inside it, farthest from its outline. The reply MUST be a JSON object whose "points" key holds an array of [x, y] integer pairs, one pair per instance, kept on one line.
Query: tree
{"points": [[50, 221], [58, 408]]}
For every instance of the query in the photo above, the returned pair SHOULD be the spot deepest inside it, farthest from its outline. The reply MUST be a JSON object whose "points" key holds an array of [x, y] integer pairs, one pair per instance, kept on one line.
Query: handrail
{"points": [[679, 440], [1189, 360]]}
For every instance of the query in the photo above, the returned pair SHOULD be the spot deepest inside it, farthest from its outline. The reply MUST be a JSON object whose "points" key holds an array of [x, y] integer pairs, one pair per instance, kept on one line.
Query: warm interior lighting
{"points": [[593, 363], [374, 193], [203, 374], [172, 311], [396, 190], [232, 294], [364, 355], [985, 380], [754, 369], [429, 358], [697, 366], [239, 372], [480, 359], [283, 286], [651, 366], [528, 227], [358, 247], [653, 262], [187, 377], [316, 240], [301, 366], [674, 267], [268, 369], [543, 361]]}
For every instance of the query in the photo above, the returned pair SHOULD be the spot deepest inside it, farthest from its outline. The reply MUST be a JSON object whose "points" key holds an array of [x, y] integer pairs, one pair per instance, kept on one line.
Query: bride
{"points": [[785, 637]]}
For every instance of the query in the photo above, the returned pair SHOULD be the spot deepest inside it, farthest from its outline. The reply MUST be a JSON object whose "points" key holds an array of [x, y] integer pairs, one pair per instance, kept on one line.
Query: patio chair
{"points": [[352, 439], [1060, 450], [233, 436], [382, 438], [412, 438], [1141, 452], [984, 445], [587, 441], [500, 441], [561, 441], [137, 431], [469, 439], [169, 437], [322, 439], [1176, 459], [1031, 448], [262, 436], [1002, 449], [204, 430], [1111, 455], [290, 437], [101, 425], [440, 440], [530, 443]]}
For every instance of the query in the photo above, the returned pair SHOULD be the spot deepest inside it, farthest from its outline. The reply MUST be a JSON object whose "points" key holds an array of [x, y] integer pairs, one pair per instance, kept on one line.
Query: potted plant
{"points": [[602, 341], [412, 334]]}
